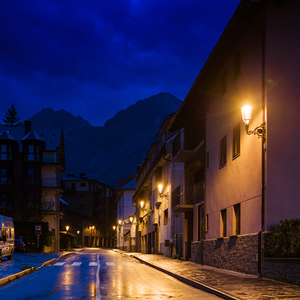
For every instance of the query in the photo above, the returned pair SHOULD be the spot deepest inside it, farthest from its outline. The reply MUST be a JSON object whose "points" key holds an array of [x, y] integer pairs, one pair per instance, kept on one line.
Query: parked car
{"points": [[19, 245]]}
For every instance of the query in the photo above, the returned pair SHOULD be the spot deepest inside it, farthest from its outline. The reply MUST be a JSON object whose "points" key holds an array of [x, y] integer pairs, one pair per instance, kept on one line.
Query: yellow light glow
{"points": [[120, 222], [160, 188], [78, 231], [142, 204], [247, 113], [67, 228], [114, 227], [130, 219]]}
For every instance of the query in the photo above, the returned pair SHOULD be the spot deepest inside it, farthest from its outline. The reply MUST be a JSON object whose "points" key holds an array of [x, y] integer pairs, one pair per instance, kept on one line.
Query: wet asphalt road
{"points": [[100, 275]]}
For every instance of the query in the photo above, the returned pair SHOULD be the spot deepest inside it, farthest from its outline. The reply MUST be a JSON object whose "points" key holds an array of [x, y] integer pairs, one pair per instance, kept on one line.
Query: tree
{"points": [[12, 118]]}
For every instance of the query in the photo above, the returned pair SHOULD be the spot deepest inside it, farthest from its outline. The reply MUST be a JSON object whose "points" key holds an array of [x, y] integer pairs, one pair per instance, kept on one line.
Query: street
{"points": [[99, 274]]}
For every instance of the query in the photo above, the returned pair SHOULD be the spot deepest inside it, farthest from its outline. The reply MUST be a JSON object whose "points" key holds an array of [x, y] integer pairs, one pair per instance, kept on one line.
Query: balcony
{"points": [[51, 158], [184, 151], [51, 183], [185, 196]]}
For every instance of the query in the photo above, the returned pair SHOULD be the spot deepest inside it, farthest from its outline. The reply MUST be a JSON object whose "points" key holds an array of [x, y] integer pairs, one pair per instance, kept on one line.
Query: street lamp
{"points": [[92, 228], [247, 117], [78, 238], [68, 241], [142, 203], [130, 219]]}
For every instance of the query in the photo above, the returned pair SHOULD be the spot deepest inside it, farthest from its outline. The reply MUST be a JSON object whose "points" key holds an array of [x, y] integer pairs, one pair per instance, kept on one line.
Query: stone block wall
{"points": [[238, 253], [196, 252]]}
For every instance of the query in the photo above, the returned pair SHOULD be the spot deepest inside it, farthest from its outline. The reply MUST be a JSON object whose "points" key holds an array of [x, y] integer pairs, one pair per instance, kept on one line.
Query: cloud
{"points": [[60, 52]]}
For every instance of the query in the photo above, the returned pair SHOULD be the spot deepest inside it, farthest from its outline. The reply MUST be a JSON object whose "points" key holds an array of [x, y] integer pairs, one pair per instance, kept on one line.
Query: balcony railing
{"points": [[187, 195], [51, 158], [51, 182]]}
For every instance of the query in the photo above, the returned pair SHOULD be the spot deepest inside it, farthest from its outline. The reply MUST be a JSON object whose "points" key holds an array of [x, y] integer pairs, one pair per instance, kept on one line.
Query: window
{"points": [[3, 176], [3, 200], [237, 66], [201, 222], [223, 151], [166, 217], [207, 160], [6, 152], [236, 141], [223, 223], [34, 176], [33, 153], [223, 84], [206, 223], [237, 219], [82, 184]]}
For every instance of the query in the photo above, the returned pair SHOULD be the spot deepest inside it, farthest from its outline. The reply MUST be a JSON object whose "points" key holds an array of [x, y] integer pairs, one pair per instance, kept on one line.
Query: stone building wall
{"points": [[238, 253]]}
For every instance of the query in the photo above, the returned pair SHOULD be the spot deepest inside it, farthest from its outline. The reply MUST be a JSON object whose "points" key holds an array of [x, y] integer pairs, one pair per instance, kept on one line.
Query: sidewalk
{"points": [[11, 270], [223, 283]]}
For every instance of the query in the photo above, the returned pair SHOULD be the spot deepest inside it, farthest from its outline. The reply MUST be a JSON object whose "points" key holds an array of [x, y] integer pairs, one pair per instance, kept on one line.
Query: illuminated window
{"points": [[223, 223], [223, 151], [236, 141]]}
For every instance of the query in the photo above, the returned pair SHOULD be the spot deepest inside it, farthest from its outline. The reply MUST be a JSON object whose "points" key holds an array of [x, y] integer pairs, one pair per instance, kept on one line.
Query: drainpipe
{"points": [[263, 144]]}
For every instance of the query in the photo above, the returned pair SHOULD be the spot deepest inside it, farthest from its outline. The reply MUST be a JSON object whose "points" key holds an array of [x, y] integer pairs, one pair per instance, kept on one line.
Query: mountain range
{"points": [[110, 153]]}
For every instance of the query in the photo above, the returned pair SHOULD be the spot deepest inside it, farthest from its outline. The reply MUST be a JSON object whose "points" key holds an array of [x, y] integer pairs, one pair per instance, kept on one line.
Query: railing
{"points": [[51, 158], [51, 182], [187, 194], [176, 145], [69, 188]]}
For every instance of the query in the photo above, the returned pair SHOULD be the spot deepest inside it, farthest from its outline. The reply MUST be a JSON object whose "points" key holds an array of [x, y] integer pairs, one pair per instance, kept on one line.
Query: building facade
{"points": [[90, 213], [31, 164], [159, 227], [125, 233], [250, 178]]}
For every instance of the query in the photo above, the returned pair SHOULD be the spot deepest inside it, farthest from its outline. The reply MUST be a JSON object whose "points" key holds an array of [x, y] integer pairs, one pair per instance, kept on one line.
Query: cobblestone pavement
{"points": [[231, 284]]}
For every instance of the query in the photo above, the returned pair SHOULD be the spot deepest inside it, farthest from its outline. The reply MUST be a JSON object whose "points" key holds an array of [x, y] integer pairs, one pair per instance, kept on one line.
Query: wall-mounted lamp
{"points": [[160, 188], [247, 116], [67, 228], [120, 222], [130, 219], [114, 227], [142, 203]]}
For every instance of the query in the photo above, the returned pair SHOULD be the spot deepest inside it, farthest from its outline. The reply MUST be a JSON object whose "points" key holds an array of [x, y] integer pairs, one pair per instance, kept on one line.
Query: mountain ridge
{"points": [[112, 152]]}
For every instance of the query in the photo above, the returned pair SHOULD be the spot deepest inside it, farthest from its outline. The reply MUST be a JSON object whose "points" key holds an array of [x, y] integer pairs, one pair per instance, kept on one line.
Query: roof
{"points": [[131, 185], [32, 135], [5, 135], [50, 135]]}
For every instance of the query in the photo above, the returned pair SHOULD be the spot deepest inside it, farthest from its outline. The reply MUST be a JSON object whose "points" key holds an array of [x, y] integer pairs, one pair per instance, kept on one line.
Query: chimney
{"points": [[82, 175], [27, 127]]}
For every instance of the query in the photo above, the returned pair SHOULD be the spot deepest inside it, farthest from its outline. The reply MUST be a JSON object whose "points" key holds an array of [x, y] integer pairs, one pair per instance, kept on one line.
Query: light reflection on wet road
{"points": [[120, 277]]}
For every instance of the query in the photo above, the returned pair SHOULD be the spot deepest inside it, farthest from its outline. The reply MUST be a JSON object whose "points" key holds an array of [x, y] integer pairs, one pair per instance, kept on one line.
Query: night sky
{"points": [[94, 58]]}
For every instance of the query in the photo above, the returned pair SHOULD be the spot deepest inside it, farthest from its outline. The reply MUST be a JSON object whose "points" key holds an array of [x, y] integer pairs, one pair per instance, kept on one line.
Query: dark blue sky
{"points": [[96, 57]]}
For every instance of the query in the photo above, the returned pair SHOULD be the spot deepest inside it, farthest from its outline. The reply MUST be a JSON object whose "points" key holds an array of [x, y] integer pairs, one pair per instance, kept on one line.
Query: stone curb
{"points": [[13, 277]]}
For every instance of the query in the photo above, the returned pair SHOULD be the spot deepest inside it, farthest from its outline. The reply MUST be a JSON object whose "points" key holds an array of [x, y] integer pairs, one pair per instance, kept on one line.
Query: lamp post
{"points": [[68, 241], [92, 228], [114, 230], [78, 238], [120, 224]]}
